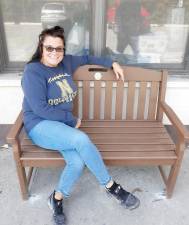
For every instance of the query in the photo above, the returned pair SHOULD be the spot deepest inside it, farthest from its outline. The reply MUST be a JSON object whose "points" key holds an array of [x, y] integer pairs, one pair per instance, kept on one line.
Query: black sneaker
{"points": [[57, 208], [126, 198]]}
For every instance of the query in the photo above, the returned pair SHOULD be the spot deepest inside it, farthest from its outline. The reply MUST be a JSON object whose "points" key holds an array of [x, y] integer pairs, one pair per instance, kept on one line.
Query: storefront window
{"points": [[24, 20], [147, 31]]}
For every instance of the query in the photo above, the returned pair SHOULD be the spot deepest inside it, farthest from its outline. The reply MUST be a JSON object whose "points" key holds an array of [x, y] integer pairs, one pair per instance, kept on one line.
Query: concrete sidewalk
{"points": [[89, 204]]}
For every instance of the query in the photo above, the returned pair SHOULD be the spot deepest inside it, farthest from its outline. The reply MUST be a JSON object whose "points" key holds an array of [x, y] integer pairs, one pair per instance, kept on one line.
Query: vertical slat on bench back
{"points": [[101, 96], [153, 100], [108, 100], [119, 100], [130, 99], [97, 99], [141, 100], [76, 102]]}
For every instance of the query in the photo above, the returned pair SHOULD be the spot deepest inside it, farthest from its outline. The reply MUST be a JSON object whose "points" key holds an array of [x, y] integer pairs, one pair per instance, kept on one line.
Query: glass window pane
{"points": [[147, 31], [24, 20]]}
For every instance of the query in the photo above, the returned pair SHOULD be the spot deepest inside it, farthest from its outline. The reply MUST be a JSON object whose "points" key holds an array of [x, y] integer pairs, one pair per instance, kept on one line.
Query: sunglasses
{"points": [[51, 49]]}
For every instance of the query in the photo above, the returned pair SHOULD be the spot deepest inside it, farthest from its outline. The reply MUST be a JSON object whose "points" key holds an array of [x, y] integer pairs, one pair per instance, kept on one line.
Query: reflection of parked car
{"points": [[53, 14]]}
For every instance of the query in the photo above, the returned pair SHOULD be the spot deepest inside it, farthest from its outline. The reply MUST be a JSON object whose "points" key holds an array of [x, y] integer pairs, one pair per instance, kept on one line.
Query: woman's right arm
{"points": [[35, 92]]}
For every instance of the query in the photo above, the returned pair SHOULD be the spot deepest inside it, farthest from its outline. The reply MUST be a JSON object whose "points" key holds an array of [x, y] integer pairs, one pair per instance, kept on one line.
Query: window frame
{"points": [[5, 64]]}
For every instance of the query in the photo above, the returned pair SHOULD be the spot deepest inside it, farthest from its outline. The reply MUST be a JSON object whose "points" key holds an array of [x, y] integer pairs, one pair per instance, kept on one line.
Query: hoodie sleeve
{"points": [[35, 91]]}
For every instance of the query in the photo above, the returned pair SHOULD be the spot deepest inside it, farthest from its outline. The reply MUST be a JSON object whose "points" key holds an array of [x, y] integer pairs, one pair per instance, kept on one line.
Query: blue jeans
{"points": [[76, 148]]}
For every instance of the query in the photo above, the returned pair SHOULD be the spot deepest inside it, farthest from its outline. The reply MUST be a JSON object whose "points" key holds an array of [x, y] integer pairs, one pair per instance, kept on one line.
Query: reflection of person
{"points": [[77, 41], [48, 94], [131, 23]]}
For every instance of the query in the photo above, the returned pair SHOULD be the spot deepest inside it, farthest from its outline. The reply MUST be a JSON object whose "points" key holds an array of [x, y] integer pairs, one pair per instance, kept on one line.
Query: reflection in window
{"points": [[24, 20], [147, 31]]}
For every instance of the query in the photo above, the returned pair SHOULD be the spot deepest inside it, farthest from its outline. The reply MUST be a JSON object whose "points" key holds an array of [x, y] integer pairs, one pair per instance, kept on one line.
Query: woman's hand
{"points": [[78, 123], [118, 71]]}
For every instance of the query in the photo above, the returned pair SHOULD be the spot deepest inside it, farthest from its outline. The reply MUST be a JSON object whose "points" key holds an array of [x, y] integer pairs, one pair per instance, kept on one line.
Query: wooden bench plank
{"points": [[131, 141], [119, 100], [131, 130], [76, 104], [118, 140], [97, 98], [115, 147], [121, 136], [122, 158], [118, 155], [130, 100], [131, 74], [85, 99], [153, 100], [141, 100], [162, 135], [131, 136], [121, 123], [108, 100]]}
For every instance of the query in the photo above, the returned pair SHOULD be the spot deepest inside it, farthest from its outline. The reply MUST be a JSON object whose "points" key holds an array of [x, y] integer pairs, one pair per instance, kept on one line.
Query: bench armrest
{"points": [[15, 130], [174, 120]]}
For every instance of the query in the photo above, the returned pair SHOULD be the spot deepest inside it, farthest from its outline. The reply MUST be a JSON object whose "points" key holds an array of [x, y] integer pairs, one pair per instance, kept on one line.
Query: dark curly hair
{"points": [[56, 31]]}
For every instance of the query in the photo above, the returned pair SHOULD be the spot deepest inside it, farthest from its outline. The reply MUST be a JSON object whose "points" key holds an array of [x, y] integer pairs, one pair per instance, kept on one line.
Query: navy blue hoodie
{"points": [[49, 91]]}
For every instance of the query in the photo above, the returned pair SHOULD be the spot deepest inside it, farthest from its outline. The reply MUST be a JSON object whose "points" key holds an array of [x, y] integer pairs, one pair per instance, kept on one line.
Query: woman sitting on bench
{"points": [[49, 91]]}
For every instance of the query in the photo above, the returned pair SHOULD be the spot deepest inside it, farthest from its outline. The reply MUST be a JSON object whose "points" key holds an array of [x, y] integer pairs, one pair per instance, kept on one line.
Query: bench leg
{"points": [[22, 180], [20, 171], [171, 181], [21, 177]]}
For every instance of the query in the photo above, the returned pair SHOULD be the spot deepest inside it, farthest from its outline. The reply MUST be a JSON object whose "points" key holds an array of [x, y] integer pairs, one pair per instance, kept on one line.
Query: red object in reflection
{"points": [[111, 12], [144, 12], [111, 15]]}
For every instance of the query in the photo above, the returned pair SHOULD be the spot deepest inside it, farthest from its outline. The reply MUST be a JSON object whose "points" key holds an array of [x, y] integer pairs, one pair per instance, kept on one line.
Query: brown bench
{"points": [[124, 120]]}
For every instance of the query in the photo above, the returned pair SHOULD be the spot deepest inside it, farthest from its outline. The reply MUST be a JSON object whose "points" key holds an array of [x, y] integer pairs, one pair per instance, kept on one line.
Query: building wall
{"points": [[10, 98]]}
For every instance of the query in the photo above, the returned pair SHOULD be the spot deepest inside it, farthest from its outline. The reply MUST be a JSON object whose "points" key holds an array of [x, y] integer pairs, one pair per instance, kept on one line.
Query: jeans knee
{"points": [[81, 138]]}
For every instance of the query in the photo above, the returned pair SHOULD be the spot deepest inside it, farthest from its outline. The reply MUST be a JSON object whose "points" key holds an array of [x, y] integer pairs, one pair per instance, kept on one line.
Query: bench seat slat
{"points": [[131, 132], [139, 154], [130, 141], [113, 130], [130, 136], [121, 123], [111, 158], [122, 140], [122, 130], [127, 135], [115, 147]]}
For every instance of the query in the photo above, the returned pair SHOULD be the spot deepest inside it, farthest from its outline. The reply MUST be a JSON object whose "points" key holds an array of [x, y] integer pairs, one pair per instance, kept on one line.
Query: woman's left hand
{"points": [[78, 123], [118, 71]]}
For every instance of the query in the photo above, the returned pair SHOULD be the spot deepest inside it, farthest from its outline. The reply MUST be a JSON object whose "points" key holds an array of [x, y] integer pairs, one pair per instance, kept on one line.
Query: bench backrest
{"points": [[102, 97]]}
